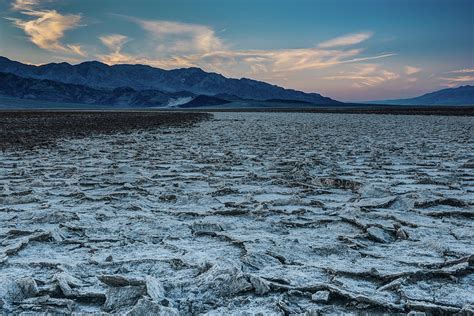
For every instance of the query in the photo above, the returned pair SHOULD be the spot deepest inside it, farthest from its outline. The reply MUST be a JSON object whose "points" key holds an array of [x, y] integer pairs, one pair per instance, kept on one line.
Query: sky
{"points": [[349, 50]]}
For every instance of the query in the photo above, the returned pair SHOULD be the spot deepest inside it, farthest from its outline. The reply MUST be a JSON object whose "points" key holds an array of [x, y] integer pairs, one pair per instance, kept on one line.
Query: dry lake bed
{"points": [[242, 213]]}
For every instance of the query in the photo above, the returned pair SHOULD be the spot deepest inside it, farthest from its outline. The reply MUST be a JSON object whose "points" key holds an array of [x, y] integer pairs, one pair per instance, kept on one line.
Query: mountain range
{"points": [[154, 82], [463, 95], [48, 90], [95, 83]]}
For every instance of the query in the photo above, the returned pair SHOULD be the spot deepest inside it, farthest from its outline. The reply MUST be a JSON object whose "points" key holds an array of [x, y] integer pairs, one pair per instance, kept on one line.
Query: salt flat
{"points": [[246, 213]]}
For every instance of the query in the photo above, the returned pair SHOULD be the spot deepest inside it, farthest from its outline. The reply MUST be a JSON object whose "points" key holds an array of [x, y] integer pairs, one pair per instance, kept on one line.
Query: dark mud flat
{"points": [[27, 129], [370, 109]]}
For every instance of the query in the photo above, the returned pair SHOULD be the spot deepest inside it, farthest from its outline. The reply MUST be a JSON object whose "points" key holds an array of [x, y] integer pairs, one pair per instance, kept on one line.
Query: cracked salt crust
{"points": [[272, 213]]}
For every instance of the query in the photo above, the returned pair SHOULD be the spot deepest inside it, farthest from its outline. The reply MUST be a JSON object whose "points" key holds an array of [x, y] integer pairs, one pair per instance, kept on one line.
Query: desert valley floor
{"points": [[244, 213]]}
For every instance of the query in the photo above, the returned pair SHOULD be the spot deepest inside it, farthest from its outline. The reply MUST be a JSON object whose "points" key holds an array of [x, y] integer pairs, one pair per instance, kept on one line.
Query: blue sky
{"points": [[345, 49]]}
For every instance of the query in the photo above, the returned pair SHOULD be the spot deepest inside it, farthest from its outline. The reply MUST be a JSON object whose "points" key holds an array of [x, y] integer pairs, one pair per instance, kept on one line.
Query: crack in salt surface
{"points": [[273, 213]]}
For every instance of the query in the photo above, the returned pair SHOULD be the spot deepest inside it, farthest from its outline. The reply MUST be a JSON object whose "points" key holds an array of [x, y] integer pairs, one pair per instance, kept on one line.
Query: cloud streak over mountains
{"points": [[186, 45]]}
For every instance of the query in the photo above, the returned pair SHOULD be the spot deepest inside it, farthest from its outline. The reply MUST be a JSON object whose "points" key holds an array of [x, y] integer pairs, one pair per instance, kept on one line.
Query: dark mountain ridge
{"points": [[142, 77], [48, 90]]}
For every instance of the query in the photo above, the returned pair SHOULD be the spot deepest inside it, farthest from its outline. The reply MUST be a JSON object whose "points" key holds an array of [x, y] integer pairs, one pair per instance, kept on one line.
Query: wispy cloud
{"points": [[367, 75], [346, 40], [114, 42], [449, 84], [461, 71], [24, 5], [46, 28], [456, 77], [180, 37], [410, 70]]}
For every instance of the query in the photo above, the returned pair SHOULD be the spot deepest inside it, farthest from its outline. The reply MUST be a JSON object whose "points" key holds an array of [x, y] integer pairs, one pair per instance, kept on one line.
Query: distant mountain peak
{"points": [[462, 95], [92, 62]]}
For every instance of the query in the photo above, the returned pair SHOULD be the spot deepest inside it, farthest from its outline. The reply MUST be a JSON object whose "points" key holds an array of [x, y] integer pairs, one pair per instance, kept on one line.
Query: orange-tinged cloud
{"points": [[114, 42], [47, 27], [410, 70], [183, 45], [462, 71], [24, 5], [364, 76], [458, 79]]}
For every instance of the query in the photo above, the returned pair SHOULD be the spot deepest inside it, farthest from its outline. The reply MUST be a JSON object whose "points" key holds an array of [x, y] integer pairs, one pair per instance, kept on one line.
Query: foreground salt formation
{"points": [[247, 213]]}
